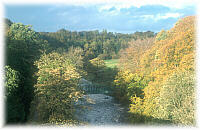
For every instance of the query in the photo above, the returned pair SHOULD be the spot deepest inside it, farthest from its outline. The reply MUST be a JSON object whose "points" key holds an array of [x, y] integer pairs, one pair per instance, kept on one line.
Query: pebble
{"points": [[104, 110]]}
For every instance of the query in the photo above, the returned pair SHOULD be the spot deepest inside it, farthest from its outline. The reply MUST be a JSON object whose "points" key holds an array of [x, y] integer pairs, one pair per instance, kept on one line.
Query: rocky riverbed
{"points": [[100, 109]]}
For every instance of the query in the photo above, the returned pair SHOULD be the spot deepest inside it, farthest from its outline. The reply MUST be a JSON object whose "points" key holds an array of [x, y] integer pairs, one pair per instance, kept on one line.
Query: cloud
{"points": [[155, 12], [113, 17], [161, 16], [169, 15]]}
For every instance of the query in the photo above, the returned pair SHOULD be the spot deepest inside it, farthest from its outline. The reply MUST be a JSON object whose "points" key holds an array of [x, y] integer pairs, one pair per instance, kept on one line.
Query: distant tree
{"points": [[130, 57], [95, 69], [94, 43], [75, 54]]}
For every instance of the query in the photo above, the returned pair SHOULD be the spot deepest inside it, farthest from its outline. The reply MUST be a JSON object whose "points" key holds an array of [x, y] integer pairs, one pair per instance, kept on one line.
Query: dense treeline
{"points": [[158, 82], [43, 69], [104, 45]]}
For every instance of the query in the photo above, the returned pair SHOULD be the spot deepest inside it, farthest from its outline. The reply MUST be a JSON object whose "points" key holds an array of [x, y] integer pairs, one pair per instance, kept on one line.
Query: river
{"points": [[100, 109]]}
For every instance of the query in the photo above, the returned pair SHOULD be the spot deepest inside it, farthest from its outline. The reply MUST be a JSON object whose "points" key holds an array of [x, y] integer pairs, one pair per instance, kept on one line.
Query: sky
{"points": [[127, 16]]}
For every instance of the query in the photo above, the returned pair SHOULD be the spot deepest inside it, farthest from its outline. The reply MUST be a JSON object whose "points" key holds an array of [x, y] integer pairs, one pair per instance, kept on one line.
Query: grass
{"points": [[111, 63]]}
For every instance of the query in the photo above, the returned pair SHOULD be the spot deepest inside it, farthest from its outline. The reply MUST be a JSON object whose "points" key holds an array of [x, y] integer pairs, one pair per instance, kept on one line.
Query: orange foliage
{"points": [[172, 51], [175, 52], [130, 57]]}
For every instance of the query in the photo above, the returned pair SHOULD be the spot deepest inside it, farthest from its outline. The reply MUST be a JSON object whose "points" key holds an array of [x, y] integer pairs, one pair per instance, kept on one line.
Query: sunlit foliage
{"points": [[156, 76], [130, 57], [168, 69], [56, 89]]}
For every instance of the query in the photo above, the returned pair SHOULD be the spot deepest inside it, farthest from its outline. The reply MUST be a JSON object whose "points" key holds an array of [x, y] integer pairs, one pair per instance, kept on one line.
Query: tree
{"points": [[22, 49], [130, 57], [95, 69], [166, 69], [56, 88], [94, 43], [177, 98], [14, 106]]}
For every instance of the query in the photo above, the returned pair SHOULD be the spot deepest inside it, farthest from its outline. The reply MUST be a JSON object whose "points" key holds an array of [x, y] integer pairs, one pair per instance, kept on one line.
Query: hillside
{"points": [[162, 85]]}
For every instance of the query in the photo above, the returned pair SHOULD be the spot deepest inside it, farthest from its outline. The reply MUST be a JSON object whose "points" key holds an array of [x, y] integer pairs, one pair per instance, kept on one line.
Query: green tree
{"points": [[22, 49], [14, 106]]}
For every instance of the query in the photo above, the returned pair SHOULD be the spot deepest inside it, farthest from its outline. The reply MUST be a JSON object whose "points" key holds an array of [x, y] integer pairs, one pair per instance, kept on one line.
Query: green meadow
{"points": [[111, 63]]}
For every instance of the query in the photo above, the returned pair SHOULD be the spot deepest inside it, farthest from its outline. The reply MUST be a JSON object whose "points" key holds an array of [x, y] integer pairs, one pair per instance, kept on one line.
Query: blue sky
{"points": [[121, 17]]}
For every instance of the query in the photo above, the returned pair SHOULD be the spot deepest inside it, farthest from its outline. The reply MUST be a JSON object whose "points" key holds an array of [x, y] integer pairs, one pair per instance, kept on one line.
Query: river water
{"points": [[100, 109]]}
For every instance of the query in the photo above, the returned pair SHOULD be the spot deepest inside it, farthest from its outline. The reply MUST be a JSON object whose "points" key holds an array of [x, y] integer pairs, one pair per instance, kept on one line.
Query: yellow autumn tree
{"points": [[56, 89], [172, 54]]}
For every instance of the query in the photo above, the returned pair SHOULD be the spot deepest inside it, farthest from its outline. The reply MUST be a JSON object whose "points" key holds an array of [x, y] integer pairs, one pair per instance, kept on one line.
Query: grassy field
{"points": [[111, 63]]}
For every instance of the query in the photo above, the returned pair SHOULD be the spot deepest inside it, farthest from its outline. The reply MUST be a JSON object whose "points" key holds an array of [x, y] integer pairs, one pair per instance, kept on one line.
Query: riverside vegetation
{"points": [[152, 74]]}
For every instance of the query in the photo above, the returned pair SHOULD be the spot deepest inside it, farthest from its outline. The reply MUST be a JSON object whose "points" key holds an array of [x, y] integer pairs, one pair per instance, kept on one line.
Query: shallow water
{"points": [[100, 109]]}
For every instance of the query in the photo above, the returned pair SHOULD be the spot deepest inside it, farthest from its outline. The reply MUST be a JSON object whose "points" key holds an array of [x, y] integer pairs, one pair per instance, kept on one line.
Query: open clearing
{"points": [[112, 63]]}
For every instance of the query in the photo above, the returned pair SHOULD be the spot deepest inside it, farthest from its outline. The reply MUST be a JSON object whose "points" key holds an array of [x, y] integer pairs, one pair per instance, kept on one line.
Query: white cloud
{"points": [[161, 16], [169, 15]]}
